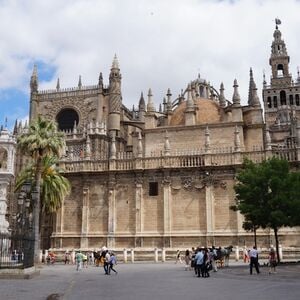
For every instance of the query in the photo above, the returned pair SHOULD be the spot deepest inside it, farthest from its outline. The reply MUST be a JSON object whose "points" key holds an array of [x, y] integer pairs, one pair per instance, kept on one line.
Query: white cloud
{"points": [[160, 44]]}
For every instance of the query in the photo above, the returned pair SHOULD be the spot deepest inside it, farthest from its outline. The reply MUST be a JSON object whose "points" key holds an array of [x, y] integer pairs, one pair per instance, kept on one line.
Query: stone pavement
{"points": [[152, 281]]}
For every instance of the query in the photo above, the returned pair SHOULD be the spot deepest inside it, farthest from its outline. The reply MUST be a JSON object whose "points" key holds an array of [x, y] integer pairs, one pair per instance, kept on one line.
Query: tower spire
{"points": [[58, 85], [169, 101], [150, 104], [115, 97], [100, 81], [236, 99], [222, 99], [115, 63], [79, 82], [253, 99], [34, 80]]}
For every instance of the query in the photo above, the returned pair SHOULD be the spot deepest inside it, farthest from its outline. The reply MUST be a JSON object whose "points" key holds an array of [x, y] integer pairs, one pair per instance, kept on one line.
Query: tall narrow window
{"points": [[269, 102], [291, 100], [153, 188], [275, 101], [297, 100], [282, 98]]}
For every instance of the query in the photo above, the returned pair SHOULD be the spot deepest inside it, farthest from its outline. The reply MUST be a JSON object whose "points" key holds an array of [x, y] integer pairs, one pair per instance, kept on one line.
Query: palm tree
{"points": [[54, 186], [41, 139]]}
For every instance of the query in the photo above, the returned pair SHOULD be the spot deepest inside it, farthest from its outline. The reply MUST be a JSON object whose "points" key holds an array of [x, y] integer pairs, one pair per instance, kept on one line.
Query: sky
{"points": [[160, 44]]}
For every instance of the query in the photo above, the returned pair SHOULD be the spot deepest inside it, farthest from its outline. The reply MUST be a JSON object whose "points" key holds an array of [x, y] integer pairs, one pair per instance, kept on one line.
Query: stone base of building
{"points": [[27, 273]]}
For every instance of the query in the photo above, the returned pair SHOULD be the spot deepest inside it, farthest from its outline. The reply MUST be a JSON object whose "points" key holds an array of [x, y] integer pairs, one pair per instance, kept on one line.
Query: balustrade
{"points": [[126, 161]]}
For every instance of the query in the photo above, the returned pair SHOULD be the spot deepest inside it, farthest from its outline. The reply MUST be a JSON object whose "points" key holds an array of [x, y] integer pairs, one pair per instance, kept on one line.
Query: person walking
{"points": [[78, 258], [112, 263], [253, 253], [245, 255], [106, 262], [178, 257], [213, 258], [187, 259], [272, 261], [206, 263]]}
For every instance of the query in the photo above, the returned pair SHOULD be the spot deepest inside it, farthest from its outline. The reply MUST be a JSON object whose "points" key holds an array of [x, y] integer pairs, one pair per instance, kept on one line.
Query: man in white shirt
{"points": [[253, 253]]}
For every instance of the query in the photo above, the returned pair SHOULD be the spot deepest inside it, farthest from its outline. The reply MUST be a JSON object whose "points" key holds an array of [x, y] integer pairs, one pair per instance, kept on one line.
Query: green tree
{"points": [[268, 195], [40, 140]]}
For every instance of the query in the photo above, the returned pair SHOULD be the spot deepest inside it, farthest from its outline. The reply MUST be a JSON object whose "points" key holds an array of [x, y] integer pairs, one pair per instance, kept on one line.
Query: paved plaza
{"points": [[152, 281]]}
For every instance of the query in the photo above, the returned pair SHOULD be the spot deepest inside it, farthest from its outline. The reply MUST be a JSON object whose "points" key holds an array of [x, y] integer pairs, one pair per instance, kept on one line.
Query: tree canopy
{"points": [[268, 195]]}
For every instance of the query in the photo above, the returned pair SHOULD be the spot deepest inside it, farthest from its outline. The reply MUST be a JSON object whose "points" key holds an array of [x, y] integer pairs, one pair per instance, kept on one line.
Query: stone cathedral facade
{"points": [[164, 178]]}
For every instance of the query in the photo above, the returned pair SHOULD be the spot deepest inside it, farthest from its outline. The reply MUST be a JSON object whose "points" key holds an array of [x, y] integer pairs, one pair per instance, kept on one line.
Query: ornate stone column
{"points": [[111, 213], [167, 210], [138, 211], [210, 214], [84, 218]]}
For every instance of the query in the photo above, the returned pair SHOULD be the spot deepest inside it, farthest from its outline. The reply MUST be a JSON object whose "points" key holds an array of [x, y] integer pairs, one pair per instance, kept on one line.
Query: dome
{"points": [[208, 112]]}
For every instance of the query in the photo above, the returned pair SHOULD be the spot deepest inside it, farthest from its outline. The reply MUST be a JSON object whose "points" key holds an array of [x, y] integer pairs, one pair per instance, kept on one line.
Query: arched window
{"points": [[282, 98], [3, 158], [280, 72], [291, 100], [275, 101], [269, 102], [297, 100], [66, 119]]}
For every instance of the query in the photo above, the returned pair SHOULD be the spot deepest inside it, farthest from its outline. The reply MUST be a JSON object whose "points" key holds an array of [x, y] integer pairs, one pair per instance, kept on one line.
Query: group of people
{"points": [[108, 260], [103, 257], [202, 260]]}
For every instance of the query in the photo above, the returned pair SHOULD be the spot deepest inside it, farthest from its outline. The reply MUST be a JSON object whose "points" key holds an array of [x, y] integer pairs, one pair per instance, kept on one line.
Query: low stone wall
{"points": [[167, 254]]}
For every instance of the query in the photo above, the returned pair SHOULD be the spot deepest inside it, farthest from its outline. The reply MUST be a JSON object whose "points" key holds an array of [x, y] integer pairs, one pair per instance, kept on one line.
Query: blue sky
{"points": [[159, 46]]}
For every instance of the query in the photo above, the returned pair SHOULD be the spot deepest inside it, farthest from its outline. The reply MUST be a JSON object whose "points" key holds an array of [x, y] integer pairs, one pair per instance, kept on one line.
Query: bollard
{"points": [[125, 255], [237, 253], [280, 252], [132, 255], [46, 255], [163, 255], [41, 256], [156, 255]]}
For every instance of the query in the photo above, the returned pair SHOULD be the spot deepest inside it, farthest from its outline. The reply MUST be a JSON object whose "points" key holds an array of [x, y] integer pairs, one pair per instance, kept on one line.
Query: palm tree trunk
{"points": [[37, 205]]}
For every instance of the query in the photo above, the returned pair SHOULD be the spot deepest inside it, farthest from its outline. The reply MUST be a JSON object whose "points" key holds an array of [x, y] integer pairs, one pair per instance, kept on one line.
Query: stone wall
{"points": [[192, 207]]}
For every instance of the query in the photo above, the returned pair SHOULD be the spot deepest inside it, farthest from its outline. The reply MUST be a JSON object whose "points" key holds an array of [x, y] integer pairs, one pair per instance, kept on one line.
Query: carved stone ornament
{"points": [[139, 180], [210, 180], [187, 182], [166, 180]]}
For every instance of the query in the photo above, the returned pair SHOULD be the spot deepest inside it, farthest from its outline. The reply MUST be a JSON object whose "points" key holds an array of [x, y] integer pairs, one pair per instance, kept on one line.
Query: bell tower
{"points": [[279, 60], [281, 97]]}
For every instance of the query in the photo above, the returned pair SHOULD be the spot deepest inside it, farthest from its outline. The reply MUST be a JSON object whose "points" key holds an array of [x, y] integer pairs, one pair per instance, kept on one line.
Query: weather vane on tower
{"points": [[277, 22]]}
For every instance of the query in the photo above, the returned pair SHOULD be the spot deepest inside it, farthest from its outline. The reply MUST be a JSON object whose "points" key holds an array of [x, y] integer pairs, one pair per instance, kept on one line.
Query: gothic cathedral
{"points": [[164, 178]]}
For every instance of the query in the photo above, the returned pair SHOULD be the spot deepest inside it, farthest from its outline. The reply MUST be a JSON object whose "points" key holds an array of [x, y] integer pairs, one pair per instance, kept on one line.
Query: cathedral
{"points": [[151, 178]]}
